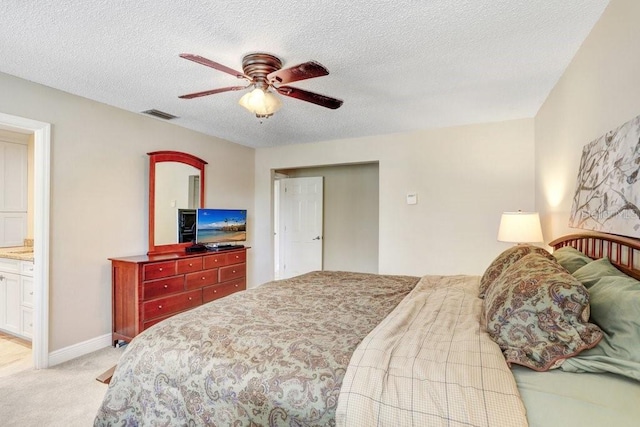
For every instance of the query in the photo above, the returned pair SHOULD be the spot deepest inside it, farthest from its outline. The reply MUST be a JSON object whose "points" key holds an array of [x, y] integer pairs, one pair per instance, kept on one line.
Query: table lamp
{"points": [[520, 227]]}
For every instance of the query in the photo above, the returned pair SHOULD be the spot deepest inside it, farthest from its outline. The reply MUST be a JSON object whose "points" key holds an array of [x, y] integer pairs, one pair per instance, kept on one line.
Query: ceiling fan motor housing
{"points": [[258, 66]]}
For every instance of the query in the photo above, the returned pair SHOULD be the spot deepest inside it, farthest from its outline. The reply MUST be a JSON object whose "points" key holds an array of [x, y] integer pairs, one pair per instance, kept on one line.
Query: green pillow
{"points": [[594, 271], [571, 258], [615, 307]]}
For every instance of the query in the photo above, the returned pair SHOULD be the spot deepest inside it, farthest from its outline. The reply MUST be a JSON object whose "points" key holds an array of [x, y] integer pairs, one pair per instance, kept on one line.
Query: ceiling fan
{"points": [[264, 71]]}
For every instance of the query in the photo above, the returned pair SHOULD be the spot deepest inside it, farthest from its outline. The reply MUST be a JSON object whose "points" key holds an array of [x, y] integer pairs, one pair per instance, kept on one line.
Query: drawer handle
{"points": [[190, 264], [204, 278], [237, 256], [190, 298], [233, 271], [215, 292], [166, 286], [236, 286], [160, 269], [159, 307]]}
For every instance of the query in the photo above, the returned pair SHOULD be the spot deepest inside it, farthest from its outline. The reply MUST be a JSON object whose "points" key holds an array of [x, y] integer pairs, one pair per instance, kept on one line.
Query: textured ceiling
{"points": [[399, 65]]}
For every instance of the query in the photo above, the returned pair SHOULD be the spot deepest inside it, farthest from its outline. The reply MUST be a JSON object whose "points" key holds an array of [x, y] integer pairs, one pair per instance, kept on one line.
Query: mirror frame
{"points": [[169, 156]]}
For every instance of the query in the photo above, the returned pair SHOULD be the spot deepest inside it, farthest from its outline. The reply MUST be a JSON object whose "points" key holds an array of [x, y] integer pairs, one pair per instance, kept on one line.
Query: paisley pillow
{"points": [[538, 314], [504, 260]]}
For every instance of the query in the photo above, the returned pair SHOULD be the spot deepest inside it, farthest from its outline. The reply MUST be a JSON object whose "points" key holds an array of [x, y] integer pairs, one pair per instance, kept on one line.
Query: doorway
{"points": [[42, 144], [350, 219]]}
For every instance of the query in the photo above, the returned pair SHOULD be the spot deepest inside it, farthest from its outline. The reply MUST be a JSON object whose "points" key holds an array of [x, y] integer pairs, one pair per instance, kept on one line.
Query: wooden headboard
{"points": [[623, 252]]}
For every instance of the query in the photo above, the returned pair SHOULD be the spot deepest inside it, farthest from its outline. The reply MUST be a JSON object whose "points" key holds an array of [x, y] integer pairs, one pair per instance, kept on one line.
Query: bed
{"points": [[355, 349]]}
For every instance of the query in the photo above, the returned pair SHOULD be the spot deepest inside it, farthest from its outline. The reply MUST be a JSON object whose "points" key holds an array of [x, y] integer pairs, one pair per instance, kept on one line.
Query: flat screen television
{"points": [[221, 226]]}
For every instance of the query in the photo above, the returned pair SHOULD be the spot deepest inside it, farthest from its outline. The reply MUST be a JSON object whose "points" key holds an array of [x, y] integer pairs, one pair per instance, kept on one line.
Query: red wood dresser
{"points": [[149, 288]]}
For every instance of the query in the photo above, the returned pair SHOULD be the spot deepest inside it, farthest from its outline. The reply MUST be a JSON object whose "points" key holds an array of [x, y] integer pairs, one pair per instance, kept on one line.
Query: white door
{"points": [[300, 225]]}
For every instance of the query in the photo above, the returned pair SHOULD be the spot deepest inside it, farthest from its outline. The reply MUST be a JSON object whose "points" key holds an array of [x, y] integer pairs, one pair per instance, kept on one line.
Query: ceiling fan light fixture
{"points": [[260, 102]]}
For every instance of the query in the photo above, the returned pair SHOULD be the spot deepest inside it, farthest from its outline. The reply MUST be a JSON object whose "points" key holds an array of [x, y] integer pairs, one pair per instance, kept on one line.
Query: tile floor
{"points": [[15, 354]]}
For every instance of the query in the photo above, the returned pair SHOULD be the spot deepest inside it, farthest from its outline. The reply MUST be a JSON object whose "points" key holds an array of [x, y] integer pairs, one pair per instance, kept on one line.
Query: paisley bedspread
{"points": [[275, 355]]}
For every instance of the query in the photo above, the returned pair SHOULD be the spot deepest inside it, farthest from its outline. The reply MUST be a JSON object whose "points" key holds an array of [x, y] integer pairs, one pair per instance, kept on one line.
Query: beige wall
{"points": [[599, 91], [99, 172], [350, 239], [464, 177]]}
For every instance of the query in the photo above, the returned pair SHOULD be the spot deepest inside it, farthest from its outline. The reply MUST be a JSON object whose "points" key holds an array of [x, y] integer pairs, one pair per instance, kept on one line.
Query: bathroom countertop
{"points": [[23, 253]]}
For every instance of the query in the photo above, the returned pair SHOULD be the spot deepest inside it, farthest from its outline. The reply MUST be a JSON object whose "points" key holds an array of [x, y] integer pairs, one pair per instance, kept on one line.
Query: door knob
{"points": [[316, 238]]}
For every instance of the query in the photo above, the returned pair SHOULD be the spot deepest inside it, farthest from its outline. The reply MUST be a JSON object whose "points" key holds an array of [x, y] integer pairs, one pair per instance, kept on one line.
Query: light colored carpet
{"points": [[64, 395]]}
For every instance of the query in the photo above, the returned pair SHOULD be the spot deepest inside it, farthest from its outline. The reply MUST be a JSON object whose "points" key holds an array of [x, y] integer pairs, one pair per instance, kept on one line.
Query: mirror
{"points": [[176, 181]]}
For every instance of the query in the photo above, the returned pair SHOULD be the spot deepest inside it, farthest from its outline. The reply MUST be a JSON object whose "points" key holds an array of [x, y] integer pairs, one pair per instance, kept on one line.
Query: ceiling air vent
{"points": [[160, 114]]}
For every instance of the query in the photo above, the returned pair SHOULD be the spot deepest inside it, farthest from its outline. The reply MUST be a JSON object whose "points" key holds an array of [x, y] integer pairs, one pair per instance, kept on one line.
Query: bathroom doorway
{"points": [[41, 133]]}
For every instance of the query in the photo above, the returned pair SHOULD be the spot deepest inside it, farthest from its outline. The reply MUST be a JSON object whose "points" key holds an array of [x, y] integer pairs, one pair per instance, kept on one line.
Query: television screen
{"points": [[221, 226]]}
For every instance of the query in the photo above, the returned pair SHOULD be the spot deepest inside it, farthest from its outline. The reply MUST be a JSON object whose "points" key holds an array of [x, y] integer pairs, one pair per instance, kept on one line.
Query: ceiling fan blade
{"points": [[305, 95], [211, 92], [210, 63], [308, 70]]}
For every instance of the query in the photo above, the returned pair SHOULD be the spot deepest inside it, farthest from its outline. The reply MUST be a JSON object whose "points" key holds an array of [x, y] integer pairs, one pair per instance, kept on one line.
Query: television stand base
{"points": [[214, 248]]}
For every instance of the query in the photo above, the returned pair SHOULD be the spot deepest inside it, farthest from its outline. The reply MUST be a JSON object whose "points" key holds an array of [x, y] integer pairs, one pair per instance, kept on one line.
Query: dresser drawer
{"points": [[189, 265], [214, 292], [26, 268], [214, 261], [26, 292], [150, 323], [26, 321], [236, 257], [157, 288], [201, 278], [158, 270], [8, 265], [172, 304], [232, 272]]}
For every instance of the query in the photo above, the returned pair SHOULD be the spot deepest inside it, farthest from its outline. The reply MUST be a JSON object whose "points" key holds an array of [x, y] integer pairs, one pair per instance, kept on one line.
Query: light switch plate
{"points": [[412, 198]]}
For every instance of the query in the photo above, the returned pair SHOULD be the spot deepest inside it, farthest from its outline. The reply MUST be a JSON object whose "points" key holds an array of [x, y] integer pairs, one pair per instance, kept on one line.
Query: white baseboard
{"points": [[80, 349]]}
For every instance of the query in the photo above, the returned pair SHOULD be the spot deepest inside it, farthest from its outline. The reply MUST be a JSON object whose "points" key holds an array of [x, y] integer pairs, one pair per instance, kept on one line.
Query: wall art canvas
{"points": [[607, 196]]}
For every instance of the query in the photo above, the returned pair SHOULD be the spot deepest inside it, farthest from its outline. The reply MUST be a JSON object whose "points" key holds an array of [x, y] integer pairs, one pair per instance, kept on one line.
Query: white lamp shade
{"points": [[261, 103], [520, 227]]}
